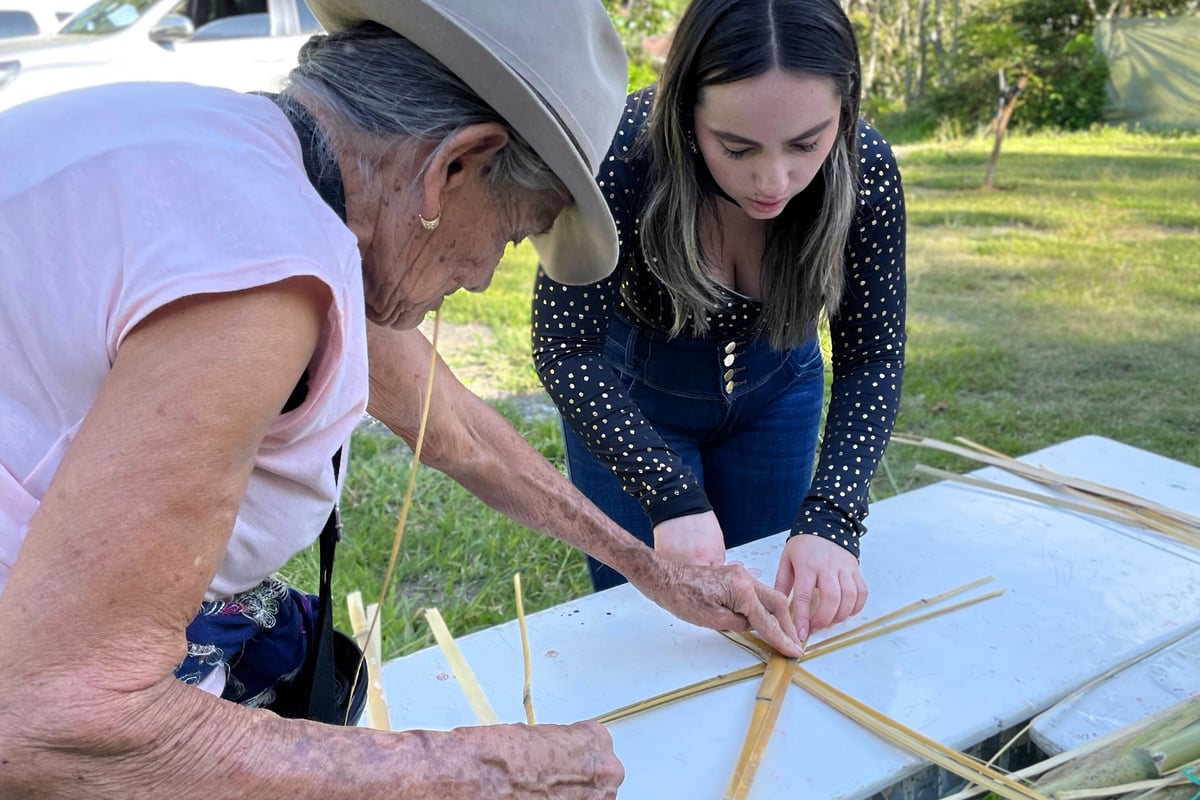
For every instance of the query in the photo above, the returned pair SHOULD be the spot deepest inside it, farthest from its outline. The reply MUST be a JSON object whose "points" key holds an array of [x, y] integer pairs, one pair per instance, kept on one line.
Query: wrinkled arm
{"points": [[471, 442], [475, 445], [116, 561]]}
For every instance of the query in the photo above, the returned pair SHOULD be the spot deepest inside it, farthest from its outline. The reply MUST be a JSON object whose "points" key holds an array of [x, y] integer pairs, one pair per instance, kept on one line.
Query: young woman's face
{"points": [[765, 138]]}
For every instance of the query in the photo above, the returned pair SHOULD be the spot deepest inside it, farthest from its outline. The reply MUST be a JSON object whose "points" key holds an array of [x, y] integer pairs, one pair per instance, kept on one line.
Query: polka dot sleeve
{"points": [[569, 327], [868, 353]]}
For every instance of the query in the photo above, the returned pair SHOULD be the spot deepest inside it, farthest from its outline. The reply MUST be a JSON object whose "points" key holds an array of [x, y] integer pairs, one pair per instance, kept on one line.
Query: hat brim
{"points": [[581, 247]]}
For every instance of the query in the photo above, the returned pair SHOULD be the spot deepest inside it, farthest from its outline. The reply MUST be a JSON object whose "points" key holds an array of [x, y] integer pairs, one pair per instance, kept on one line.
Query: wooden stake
{"points": [[390, 572], [1006, 112], [1091, 509], [1050, 478]]}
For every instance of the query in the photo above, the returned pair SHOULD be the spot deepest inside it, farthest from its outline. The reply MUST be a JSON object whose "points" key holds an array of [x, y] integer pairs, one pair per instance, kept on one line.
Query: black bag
{"points": [[325, 689]]}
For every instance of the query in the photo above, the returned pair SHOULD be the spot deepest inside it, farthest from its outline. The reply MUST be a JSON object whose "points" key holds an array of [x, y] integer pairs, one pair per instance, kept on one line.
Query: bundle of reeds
{"points": [[1075, 494], [1155, 758]]}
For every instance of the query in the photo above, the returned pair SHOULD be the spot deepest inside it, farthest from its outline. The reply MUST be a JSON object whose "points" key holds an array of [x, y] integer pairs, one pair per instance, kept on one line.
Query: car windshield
{"points": [[108, 16], [17, 23]]}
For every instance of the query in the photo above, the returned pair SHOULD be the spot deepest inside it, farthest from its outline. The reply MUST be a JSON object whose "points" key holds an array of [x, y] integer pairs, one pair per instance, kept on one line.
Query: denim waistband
{"points": [[699, 367]]}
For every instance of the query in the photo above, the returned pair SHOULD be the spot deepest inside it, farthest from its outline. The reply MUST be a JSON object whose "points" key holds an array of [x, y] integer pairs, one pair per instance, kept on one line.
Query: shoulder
{"points": [[634, 120], [876, 160], [878, 172], [145, 131], [623, 173]]}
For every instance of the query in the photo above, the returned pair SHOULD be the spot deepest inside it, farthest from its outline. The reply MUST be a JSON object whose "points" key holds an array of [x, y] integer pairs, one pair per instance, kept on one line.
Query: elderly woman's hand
{"points": [[725, 598]]}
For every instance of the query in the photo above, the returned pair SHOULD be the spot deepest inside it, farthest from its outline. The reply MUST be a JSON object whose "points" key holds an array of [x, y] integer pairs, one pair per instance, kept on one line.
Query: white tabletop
{"points": [[1159, 681], [1082, 595]]}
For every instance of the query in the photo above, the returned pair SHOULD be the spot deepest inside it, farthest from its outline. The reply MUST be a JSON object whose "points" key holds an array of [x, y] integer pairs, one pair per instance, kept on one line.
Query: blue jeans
{"points": [[752, 447]]}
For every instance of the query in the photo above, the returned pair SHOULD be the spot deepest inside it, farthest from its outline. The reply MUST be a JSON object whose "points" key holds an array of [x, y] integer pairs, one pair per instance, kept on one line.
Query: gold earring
{"points": [[431, 224]]}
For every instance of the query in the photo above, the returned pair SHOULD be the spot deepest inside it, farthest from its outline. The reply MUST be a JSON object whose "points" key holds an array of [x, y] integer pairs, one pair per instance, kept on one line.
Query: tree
{"points": [[637, 22]]}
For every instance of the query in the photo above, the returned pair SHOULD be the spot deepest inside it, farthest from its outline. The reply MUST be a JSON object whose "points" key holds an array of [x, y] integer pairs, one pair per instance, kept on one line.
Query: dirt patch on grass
{"points": [[461, 346]]}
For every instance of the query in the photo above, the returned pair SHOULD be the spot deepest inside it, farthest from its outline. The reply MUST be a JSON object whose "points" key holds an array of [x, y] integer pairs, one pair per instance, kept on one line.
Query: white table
{"points": [[1159, 681], [1082, 596]]}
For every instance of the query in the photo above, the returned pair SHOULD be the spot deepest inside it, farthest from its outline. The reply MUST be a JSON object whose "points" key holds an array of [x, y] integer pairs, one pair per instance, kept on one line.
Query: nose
{"points": [[771, 181]]}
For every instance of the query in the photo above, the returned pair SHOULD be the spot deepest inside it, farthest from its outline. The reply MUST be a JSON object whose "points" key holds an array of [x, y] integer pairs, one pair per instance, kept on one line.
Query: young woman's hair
{"points": [[722, 41]]}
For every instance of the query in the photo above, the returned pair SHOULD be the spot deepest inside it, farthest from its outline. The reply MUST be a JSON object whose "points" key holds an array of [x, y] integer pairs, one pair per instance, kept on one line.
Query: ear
{"points": [[460, 161]]}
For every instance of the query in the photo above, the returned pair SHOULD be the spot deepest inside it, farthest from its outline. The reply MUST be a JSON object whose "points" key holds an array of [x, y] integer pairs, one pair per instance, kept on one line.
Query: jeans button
{"points": [[728, 387], [730, 347], [729, 359]]}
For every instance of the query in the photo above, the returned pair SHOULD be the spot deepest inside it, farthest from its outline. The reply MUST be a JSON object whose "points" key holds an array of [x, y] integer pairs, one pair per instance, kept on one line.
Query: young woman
{"points": [[750, 199]]}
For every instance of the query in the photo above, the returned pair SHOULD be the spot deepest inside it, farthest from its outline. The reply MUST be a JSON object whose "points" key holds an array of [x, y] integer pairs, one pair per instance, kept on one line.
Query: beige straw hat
{"points": [[554, 69]]}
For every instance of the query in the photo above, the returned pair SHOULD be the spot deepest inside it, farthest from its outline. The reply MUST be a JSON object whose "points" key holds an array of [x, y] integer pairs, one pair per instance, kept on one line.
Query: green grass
{"points": [[1065, 302]]}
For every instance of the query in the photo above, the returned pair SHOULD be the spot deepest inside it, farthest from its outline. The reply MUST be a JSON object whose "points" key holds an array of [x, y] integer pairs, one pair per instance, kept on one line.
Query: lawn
{"points": [[1064, 302]]}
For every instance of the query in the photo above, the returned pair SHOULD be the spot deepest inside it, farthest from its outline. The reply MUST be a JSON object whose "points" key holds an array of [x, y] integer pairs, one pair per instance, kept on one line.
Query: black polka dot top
{"points": [[570, 322]]}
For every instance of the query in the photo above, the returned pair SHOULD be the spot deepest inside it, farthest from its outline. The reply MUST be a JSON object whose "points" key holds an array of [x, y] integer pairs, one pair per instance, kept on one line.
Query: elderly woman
{"points": [[198, 288]]}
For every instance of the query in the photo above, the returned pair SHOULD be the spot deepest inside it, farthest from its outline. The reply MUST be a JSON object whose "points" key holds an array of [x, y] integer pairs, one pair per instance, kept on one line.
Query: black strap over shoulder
{"points": [[328, 698], [322, 690]]}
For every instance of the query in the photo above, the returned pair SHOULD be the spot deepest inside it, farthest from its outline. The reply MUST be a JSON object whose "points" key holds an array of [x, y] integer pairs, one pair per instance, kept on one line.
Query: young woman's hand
{"points": [[692, 539], [823, 580]]}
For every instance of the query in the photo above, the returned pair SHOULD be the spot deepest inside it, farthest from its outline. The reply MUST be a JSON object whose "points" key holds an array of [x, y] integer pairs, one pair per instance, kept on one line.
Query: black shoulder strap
{"points": [[319, 663]]}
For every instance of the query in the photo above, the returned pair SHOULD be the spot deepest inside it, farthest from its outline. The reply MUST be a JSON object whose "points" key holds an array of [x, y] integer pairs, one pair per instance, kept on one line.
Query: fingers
{"points": [[841, 596], [861, 593], [579, 764], [764, 609], [829, 605], [804, 586], [772, 620], [826, 584], [608, 771]]}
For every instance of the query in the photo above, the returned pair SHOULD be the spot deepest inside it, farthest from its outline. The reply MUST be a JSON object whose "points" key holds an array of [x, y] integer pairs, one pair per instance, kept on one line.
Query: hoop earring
{"points": [[431, 224]]}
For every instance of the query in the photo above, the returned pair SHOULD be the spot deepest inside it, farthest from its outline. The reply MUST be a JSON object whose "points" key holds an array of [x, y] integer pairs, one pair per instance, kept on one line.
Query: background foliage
{"points": [[934, 67]]}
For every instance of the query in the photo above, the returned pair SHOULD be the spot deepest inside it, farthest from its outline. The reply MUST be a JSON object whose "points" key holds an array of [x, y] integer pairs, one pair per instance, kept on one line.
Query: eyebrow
{"points": [[813, 131]]}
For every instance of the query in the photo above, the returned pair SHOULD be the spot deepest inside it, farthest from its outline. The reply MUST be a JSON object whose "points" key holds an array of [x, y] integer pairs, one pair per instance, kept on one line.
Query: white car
{"points": [[34, 17], [244, 45]]}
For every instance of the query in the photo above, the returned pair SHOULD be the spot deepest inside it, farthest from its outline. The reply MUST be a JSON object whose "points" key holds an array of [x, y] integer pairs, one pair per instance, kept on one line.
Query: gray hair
{"points": [[381, 89]]}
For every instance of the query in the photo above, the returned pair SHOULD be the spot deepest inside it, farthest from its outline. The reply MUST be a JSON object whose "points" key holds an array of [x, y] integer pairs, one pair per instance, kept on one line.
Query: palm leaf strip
{"points": [[527, 690], [462, 670], [767, 705], [1045, 476], [912, 741], [1103, 512]]}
